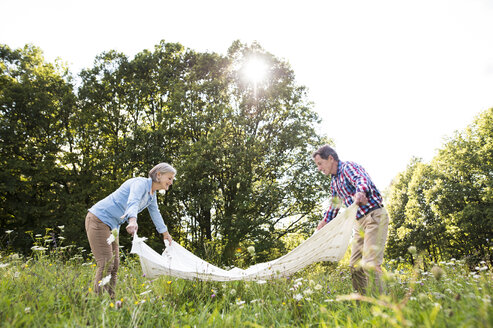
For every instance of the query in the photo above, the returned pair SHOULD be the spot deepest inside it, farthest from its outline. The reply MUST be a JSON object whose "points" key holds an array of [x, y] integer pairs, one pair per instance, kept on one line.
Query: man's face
{"points": [[326, 166]]}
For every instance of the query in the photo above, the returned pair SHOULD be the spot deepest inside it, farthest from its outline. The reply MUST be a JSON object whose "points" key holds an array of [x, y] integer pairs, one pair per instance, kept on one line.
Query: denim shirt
{"points": [[126, 202]]}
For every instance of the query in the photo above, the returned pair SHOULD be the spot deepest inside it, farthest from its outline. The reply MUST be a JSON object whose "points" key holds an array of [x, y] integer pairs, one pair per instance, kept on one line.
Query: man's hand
{"points": [[321, 224], [360, 199], [167, 236], [132, 226]]}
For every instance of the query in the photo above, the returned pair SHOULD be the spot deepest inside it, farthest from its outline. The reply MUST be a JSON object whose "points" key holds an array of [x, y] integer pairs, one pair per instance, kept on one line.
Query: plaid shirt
{"points": [[350, 179]]}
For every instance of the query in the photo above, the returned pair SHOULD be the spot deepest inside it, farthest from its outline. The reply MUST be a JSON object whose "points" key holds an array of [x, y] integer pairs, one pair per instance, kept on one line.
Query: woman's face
{"points": [[165, 180]]}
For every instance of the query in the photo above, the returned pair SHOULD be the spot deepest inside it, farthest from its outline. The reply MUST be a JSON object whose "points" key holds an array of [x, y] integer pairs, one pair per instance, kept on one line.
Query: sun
{"points": [[255, 70]]}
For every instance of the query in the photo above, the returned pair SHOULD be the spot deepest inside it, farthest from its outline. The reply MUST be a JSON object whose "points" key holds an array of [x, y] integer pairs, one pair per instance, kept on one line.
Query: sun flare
{"points": [[255, 70]]}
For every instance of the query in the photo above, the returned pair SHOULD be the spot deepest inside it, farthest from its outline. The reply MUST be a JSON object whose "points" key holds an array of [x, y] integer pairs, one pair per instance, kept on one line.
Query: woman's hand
{"points": [[167, 236], [132, 226]]}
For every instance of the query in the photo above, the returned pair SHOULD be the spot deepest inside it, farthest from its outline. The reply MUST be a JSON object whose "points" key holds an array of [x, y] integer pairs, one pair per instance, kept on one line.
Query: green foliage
{"points": [[36, 108], [445, 207], [242, 150]]}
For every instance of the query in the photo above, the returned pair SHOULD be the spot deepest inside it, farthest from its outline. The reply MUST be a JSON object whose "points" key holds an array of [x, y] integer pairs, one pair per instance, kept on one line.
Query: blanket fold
{"points": [[327, 244]]}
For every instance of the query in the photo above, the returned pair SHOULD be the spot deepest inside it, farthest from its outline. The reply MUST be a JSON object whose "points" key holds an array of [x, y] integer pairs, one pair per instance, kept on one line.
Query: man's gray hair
{"points": [[325, 151], [161, 168]]}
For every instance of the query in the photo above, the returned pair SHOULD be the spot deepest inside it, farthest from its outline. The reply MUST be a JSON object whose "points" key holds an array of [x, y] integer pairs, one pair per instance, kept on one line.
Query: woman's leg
{"points": [[106, 256]]}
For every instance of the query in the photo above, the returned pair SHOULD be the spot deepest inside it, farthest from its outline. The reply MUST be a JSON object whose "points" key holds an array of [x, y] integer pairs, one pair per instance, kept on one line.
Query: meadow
{"points": [[52, 288]]}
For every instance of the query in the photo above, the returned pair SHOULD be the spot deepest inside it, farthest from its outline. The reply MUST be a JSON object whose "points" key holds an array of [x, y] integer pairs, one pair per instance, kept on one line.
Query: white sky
{"points": [[389, 78]]}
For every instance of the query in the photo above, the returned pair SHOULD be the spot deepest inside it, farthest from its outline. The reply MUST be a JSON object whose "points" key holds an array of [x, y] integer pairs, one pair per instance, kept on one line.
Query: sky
{"points": [[390, 79]]}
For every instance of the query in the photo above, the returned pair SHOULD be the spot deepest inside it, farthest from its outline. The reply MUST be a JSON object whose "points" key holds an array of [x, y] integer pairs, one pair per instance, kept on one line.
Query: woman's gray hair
{"points": [[325, 151], [161, 168]]}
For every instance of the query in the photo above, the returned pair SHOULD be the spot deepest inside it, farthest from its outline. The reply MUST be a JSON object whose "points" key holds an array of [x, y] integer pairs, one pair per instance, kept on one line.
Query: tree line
{"points": [[242, 151], [445, 208]]}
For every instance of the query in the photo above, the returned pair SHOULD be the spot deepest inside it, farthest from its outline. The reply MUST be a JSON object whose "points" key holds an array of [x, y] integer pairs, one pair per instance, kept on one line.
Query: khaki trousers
{"points": [[107, 256], [370, 235]]}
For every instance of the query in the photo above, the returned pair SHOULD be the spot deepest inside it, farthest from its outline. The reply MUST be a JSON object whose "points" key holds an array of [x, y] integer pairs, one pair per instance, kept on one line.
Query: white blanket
{"points": [[328, 244]]}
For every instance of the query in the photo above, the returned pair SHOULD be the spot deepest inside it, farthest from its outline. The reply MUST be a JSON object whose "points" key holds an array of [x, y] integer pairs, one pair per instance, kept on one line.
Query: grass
{"points": [[51, 288]]}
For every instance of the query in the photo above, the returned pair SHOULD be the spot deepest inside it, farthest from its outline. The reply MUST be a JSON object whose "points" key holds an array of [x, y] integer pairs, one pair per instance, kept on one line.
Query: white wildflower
{"points": [[240, 302], [484, 268], [298, 297], [251, 250], [318, 287], [105, 280], [61, 227], [113, 236], [38, 248], [308, 292], [110, 239], [3, 265], [232, 292], [8, 232], [261, 282], [27, 310], [146, 292]]}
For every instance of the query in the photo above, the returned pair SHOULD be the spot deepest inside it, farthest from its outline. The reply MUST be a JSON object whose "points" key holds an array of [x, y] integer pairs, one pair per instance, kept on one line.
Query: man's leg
{"points": [[376, 226], [358, 275]]}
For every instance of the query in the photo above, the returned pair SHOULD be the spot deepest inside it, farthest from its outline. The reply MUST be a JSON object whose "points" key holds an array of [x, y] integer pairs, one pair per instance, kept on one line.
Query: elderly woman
{"points": [[119, 207]]}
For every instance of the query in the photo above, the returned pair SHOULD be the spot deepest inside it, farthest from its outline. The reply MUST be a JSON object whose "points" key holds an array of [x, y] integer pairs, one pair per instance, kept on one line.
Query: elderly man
{"points": [[352, 184]]}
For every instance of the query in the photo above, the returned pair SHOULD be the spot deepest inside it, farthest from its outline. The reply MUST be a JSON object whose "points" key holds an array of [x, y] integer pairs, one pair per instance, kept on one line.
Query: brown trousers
{"points": [[370, 235], [107, 256]]}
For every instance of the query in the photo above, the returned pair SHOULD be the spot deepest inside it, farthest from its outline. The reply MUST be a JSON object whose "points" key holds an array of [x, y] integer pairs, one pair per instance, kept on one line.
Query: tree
{"points": [[445, 207], [463, 191], [425, 229], [36, 106], [396, 203], [242, 149], [260, 151]]}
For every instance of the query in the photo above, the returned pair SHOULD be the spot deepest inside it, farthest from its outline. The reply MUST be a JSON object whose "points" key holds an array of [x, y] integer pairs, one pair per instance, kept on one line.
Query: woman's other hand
{"points": [[167, 237], [132, 226]]}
